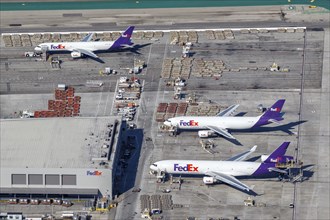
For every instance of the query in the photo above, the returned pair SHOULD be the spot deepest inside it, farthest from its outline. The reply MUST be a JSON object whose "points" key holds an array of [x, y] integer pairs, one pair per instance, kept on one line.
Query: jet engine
{"points": [[206, 133], [282, 159], [209, 180], [76, 54]]}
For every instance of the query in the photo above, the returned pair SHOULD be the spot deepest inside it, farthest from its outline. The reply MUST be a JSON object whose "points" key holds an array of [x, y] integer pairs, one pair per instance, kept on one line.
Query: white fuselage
{"points": [[70, 46], [199, 123], [200, 167]]}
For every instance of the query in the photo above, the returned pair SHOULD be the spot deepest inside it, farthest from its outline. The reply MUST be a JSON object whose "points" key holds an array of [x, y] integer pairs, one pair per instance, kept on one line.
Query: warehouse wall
{"points": [[59, 177]]}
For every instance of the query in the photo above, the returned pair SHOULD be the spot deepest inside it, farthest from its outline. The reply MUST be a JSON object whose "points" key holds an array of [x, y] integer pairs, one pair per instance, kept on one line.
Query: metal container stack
{"points": [[155, 202], [145, 202], [167, 203]]}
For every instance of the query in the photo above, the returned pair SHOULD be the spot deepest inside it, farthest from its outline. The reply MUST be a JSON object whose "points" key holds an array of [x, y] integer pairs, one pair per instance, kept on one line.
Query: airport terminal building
{"points": [[73, 157]]}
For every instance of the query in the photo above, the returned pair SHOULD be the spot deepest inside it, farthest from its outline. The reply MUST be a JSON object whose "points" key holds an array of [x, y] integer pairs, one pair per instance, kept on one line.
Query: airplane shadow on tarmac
{"points": [[285, 128]]}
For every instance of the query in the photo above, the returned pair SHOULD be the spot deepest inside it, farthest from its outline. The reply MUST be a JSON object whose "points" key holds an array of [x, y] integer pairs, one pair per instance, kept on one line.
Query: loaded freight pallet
{"points": [[64, 105]]}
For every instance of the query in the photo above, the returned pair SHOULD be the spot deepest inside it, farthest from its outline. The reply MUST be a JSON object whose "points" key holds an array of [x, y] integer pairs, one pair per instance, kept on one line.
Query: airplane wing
{"points": [[86, 52], [228, 179], [242, 156], [221, 131], [274, 169], [88, 37], [228, 111]]}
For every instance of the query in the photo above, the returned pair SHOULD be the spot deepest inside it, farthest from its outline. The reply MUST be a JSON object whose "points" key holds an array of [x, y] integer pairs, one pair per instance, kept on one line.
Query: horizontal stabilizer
{"points": [[274, 169], [275, 121], [127, 46]]}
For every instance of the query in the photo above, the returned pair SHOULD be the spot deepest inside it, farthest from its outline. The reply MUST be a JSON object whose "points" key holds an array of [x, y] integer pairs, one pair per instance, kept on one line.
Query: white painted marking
{"points": [[148, 63], [114, 98], [106, 103], [98, 105]]}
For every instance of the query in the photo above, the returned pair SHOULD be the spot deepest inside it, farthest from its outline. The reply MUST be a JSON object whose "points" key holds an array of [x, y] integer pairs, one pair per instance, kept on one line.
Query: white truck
{"points": [[31, 54], [128, 96]]}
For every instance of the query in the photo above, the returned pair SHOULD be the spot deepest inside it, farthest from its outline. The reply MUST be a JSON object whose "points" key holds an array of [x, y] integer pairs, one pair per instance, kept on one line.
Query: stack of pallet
{"points": [[145, 202], [182, 108], [64, 105], [171, 110], [161, 110]]}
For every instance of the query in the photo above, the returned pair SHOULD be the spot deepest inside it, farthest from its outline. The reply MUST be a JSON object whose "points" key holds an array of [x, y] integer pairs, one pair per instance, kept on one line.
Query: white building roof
{"points": [[54, 142]]}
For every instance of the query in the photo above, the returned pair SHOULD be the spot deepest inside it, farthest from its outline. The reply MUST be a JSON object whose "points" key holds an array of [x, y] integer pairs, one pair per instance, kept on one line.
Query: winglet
{"points": [[253, 148], [228, 111], [88, 37], [242, 156]]}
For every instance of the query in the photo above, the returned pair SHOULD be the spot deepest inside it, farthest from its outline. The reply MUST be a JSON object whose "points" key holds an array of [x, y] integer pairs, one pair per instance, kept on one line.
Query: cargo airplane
{"points": [[220, 124], [226, 171], [86, 47]]}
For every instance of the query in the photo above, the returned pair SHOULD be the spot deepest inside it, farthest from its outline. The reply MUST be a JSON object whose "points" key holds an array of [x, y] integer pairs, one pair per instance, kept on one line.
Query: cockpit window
{"points": [[154, 165]]}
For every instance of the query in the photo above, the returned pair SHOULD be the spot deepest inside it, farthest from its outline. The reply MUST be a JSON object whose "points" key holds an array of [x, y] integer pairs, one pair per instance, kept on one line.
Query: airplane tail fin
{"points": [[278, 155], [274, 112], [272, 115], [125, 38]]}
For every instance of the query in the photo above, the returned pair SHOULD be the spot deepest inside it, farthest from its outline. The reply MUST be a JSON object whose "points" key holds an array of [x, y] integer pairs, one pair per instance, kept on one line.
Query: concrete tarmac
{"points": [[27, 83]]}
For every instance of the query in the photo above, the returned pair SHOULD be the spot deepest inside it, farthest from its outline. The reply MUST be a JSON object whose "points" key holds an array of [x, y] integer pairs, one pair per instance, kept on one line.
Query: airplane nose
{"points": [[167, 123], [37, 49], [153, 167]]}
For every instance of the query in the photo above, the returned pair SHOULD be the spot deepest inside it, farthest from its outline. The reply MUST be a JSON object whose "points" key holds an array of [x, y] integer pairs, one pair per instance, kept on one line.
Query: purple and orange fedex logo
{"points": [[57, 47], [94, 173], [188, 123], [187, 168], [275, 109]]}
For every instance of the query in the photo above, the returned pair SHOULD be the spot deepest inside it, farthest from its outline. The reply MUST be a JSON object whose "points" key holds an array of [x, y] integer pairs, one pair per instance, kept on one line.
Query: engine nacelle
{"points": [[281, 159], [206, 133], [76, 54], [209, 180]]}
